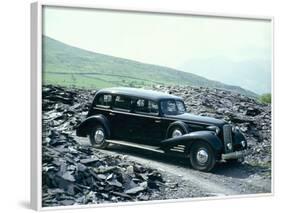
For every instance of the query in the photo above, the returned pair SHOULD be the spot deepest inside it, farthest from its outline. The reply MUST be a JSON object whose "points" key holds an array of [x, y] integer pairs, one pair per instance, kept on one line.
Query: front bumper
{"points": [[234, 155]]}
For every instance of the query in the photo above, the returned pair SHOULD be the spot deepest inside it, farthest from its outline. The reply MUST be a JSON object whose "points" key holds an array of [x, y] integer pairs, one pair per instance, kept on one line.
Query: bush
{"points": [[265, 98]]}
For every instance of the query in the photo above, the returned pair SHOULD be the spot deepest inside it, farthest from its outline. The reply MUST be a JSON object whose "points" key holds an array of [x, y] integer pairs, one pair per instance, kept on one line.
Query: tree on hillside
{"points": [[265, 98]]}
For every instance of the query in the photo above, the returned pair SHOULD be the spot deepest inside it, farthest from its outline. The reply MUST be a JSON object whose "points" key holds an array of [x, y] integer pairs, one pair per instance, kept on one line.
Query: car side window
{"points": [[153, 107], [104, 101], [146, 106], [141, 106], [122, 103]]}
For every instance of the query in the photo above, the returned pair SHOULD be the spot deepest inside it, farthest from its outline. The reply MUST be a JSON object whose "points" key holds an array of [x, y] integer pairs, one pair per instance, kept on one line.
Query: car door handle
{"points": [[157, 121], [111, 113]]}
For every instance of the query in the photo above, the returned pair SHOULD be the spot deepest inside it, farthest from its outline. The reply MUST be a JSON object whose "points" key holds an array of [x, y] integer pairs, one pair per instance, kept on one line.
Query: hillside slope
{"points": [[71, 66]]}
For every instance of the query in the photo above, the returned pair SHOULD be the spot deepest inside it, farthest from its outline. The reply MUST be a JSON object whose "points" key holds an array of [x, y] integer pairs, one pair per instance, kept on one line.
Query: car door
{"points": [[120, 118], [146, 123], [102, 105]]}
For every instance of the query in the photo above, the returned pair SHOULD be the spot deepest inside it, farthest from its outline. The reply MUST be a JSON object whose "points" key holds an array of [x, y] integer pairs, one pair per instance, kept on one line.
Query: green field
{"points": [[70, 66]]}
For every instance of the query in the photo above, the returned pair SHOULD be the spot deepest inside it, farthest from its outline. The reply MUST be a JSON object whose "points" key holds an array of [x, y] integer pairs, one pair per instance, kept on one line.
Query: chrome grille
{"points": [[227, 136]]}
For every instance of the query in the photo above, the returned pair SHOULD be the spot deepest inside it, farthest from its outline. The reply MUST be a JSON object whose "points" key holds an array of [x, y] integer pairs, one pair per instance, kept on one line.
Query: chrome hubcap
{"points": [[99, 136], [176, 133], [202, 156]]}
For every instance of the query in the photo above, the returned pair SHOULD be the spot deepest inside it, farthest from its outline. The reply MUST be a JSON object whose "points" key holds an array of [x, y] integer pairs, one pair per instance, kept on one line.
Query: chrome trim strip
{"points": [[148, 116], [128, 113], [135, 145]]}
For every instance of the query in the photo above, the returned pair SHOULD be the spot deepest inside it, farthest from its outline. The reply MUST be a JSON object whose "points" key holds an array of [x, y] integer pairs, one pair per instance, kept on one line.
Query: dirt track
{"points": [[224, 180]]}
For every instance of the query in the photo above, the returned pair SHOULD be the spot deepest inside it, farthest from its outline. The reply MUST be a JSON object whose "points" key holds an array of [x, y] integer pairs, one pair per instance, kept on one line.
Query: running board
{"points": [[145, 147]]}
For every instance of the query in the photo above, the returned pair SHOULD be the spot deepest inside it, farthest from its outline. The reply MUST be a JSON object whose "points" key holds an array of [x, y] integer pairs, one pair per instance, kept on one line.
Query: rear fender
{"points": [[208, 137], [85, 127]]}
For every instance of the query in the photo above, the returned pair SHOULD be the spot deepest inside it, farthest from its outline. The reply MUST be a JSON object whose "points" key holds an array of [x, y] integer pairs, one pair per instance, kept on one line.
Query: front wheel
{"points": [[97, 137], [202, 157]]}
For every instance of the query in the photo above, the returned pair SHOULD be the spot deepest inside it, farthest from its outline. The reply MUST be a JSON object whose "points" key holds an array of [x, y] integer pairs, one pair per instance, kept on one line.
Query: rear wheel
{"points": [[98, 136], [202, 157]]}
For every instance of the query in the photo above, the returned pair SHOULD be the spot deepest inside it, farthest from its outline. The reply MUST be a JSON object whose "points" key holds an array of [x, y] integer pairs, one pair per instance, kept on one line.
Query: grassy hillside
{"points": [[70, 66]]}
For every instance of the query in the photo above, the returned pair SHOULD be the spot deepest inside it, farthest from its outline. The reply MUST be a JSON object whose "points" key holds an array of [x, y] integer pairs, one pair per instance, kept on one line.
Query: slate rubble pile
{"points": [[64, 108], [252, 117], [74, 174]]}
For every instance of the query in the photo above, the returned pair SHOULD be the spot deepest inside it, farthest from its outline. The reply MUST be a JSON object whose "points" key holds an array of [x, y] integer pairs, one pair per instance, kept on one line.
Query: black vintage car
{"points": [[159, 122]]}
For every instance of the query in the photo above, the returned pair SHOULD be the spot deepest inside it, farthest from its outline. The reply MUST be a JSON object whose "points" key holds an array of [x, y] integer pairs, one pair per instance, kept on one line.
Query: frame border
{"points": [[36, 97], [36, 107]]}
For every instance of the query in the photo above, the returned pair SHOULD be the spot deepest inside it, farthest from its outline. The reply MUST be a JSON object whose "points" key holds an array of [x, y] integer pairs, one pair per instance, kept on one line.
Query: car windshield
{"points": [[172, 107]]}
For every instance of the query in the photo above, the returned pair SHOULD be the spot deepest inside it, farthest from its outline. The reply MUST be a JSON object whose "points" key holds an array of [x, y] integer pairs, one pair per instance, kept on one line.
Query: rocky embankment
{"points": [[75, 174]]}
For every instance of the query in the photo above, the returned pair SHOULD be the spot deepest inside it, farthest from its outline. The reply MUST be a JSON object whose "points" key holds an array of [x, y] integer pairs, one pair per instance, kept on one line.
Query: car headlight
{"points": [[243, 143], [235, 128], [214, 128], [229, 146]]}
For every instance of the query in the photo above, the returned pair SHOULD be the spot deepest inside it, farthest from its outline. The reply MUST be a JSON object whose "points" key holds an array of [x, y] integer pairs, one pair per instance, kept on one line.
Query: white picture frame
{"points": [[36, 95]]}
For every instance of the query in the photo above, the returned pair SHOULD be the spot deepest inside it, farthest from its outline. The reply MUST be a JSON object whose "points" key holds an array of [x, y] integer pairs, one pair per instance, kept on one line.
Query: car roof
{"points": [[141, 93]]}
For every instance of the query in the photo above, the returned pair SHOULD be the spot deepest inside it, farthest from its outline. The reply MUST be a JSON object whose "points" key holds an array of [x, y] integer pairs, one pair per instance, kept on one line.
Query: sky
{"points": [[233, 51]]}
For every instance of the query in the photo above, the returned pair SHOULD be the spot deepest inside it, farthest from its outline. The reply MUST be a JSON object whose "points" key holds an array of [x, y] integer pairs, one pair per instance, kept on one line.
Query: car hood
{"points": [[197, 119]]}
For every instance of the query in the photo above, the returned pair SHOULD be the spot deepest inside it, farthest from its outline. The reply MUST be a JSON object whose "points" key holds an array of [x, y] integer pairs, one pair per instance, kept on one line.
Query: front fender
{"points": [[85, 127], [181, 124], [188, 139]]}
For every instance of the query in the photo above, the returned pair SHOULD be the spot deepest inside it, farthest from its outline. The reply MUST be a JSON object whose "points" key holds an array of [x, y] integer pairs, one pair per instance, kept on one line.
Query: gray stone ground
{"points": [[75, 173]]}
